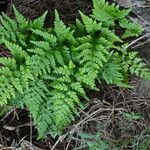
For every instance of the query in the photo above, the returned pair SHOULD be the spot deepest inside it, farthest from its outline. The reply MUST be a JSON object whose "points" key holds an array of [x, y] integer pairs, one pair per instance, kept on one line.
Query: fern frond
{"points": [[22, 22], [112, 74], [35, 100], [45, 56], [8, 62], [65, 96], [90, 25], [18, 31], [25, 76], [107, 44], [59, 53], [132, 28], [17, 52], [39, 64], [12, 30], [106, 13], [41, 44], [39, 22], [45, 123], [62, 31], [50, 38], [135, 65], [79, 28], [7, 28], [7, 91], [109, 35], [34, 96], [7, 21], [9, 83], [91, 56]]}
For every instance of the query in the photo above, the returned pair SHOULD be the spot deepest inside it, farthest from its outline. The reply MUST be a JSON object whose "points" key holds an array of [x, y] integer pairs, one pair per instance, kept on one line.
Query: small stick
{"points": [[138, 45], [136, 40]]}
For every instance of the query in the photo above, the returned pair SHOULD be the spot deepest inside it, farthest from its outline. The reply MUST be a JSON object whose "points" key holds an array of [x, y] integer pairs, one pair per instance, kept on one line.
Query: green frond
{"points": [[64, 109], [17, 31], [58, 57], [35, 100], [37, 51], [109, 35], [7, 91], [79, 28], [17, 84], [77, 86], [25, 76], [7, 28], [131, 28], [87, 78], [65, 95], [6, 25], [90, 24], [112, 73], [5, 71], [136, 66], [39, 22], [106, 13], [17, 52], [41, 44], [8, 62], [65, 70], [45, 57], [39, 64], [11, 29], [50, 38], [91, 56], [62, 31], [45, 123], [7, 20], [11, 81], [22, 22], [34, 96]]}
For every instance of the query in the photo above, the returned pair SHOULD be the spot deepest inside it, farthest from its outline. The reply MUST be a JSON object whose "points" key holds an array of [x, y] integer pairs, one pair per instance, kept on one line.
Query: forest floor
{"points": [[120, 116]]}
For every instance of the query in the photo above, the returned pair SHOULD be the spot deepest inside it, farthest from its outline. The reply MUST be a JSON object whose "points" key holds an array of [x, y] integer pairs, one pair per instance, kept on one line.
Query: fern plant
{"points": [[19, 30], [49, 69], [92, 142]]}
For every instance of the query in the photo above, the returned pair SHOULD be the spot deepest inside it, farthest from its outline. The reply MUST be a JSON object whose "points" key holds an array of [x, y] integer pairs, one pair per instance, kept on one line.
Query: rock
{"points": [[142, 87], [125, 3]]}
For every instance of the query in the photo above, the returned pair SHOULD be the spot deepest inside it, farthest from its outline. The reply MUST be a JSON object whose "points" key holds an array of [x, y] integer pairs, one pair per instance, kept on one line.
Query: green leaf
{"points": [[39, 22]]}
